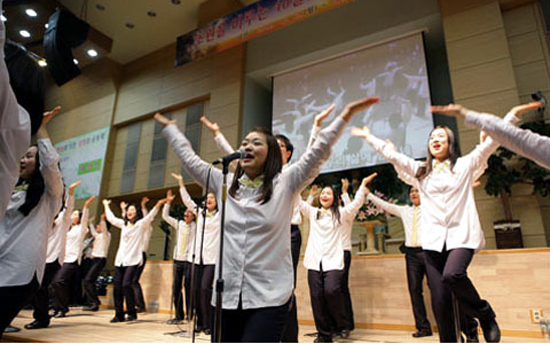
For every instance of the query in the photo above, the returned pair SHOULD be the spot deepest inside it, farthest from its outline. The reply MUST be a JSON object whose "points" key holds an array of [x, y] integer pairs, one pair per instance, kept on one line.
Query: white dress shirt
{"points": [[75, 239], [15, 131], [325, 243], [521, 141], [183, 230], [410, 216], [211, 231], [130, 248], [257, 260], [346, 224], [448, 206], [23, 239], [101, 241], [146, 233], [58, 235]]}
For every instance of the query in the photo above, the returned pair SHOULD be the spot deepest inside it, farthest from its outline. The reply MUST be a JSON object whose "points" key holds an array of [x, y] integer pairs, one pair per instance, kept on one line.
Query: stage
{"points": [[84, 327]]}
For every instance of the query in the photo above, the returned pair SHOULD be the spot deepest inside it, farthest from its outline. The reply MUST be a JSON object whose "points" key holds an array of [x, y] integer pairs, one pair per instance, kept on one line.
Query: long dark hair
{"points": [[27, 80], [273, 165], [139, 214], [454, 153], [35, 189], [289, 146], [334, 207]]}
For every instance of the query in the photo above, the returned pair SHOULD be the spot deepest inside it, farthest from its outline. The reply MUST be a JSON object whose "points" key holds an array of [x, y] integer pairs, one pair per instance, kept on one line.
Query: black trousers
{"points": [[138, 292], [345, 289], [123, 290], [204, 308], [290, 331], [96, 265], [40, 300], [62, 286], [80, 297], [416, 269], [180, 271], [447, 272], [13, 299], [259, 325], [327, 301]]}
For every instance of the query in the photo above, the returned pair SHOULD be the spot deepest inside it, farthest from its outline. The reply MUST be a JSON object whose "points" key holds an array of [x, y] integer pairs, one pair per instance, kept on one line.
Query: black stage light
{"points": [[65, 32]]}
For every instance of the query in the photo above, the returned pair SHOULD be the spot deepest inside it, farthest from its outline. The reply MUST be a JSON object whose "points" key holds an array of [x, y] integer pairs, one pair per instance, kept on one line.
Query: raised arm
{"points": [[306, 209], [317, 125], [191, 162], [223, 145], [166, 210], [313, 192], [151, 215], [115, 221], [352, 208], [49, 161], [144, 202], [300, 174], [185, 197], [345, 196], [85, 213], [399, 161]]}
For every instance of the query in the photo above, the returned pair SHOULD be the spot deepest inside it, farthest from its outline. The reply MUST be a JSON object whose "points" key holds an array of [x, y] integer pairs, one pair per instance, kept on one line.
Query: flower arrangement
{"points": [[370, 212]]}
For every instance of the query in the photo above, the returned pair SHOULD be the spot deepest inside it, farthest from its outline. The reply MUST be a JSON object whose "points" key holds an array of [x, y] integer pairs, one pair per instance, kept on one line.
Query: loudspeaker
{"points": [[64, 32]]}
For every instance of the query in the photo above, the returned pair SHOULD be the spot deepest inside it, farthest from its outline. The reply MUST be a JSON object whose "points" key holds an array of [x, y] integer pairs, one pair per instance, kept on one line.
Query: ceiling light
{"points": [[92, 53], [25, 33], [100, 7], [42, 63], [151, 14], [129, 25], [75, 61], [31, 13], [4, 18], [46, 25], [176, 2]]}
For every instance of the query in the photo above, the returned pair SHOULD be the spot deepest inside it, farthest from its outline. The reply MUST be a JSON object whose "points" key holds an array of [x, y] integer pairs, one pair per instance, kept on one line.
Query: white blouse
{"points": [[58, 235], [211, 243], [257, 263], [183, 233], [15, 132], [448, 206], [101, 241], [325, 243], [75, 239], [130, 251], [146, 233], [23, 239], [411, 216]]}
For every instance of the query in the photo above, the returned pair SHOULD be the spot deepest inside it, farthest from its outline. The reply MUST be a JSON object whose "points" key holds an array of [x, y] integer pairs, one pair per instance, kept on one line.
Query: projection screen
{"points": [[395, 71]]}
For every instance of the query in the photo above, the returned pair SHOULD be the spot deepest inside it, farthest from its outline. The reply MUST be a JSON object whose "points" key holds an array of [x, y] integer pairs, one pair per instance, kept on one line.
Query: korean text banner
{"points": [[250, 22], [83, 158]]}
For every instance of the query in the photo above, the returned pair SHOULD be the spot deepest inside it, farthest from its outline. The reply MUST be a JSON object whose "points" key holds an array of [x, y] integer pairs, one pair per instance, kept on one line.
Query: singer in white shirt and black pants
{"points": [[25, 226], [414, 255], [185, 232], [73, 254], [205, 260], [451, 232], [324, 259], [100, 250], [257, 262], [129, 256]]}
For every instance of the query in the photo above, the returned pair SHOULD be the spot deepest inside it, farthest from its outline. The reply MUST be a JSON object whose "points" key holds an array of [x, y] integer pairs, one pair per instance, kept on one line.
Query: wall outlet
{"points": [[536, 315]]}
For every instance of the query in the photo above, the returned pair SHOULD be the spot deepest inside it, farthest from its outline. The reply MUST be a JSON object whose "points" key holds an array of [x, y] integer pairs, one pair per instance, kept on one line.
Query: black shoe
{"points": [[117, 319], [131, 317], [11, 329], [207, 331], [175, 321], [322, 339], [36, 325], [422, 333], [91, 308], [59, 314], [491, 332], [141, 310], [472, 337]]}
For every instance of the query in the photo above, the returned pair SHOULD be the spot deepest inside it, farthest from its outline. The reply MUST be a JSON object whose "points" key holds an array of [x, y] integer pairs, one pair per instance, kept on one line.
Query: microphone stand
{"points": [[216, 337]]}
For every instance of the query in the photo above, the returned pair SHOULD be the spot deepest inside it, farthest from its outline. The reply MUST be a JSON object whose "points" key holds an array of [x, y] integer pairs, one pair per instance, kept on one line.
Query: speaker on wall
{"points": [[65, 32]]}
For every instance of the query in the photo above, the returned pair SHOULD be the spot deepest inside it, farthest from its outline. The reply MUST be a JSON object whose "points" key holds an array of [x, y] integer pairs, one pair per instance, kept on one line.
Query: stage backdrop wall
{"points": [[513, 281]]}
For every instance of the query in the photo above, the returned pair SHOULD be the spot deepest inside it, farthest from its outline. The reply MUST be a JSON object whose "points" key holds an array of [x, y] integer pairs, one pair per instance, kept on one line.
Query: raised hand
{"points": [[161, 202], [213, 127], [519, 110], [164, 120], [345, 185], [103, 217], [454, 110], [123, 206], [170, 196], [144, 201], [361, 132], [356, 106], [179, 178], [314, 191], [88, 201], [42, 133], [73, 186], [106, 202], [366, 181], [323, 115]]}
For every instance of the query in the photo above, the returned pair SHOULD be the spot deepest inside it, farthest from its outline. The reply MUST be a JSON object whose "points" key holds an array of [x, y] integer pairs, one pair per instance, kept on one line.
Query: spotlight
{"points": [[151, 13], [75, 61], [46, 25], [31, 13], [129, 25], [42, 63], [25, 33], [92, 52]]}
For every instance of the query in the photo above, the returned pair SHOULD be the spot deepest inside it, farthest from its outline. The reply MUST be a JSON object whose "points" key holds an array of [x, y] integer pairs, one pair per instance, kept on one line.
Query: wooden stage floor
{"points": [[85, 327]]}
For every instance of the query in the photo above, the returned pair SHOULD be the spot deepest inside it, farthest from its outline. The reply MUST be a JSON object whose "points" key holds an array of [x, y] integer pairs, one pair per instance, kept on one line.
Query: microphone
{"points": [[241, 153]]}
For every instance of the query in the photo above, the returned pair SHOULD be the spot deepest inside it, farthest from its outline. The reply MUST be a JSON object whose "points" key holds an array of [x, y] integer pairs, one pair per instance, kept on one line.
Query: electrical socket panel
{"points": [[536, 315]]}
